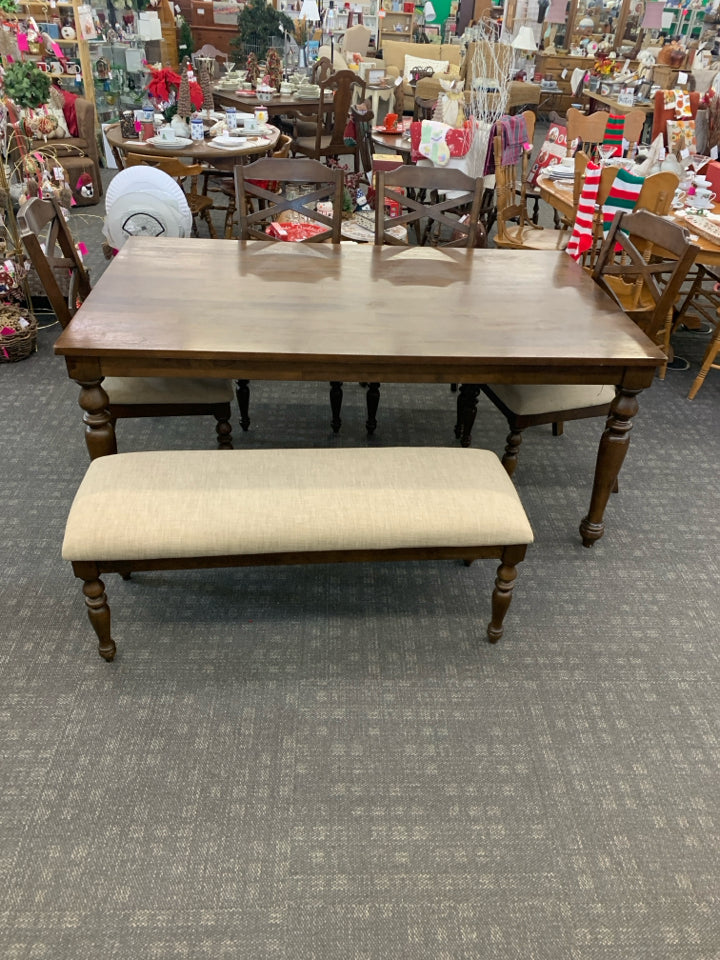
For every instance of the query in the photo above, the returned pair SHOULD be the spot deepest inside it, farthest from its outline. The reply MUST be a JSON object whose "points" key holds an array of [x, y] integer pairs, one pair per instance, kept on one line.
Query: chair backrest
{"points": [[282, 147], [645, 254], [441, 203], [510, 180], [632, 131], [250, 185], [172, 166], [363, 116], [44, 218], [356, 40], [588, 129], [337, 91], [322, 69]]}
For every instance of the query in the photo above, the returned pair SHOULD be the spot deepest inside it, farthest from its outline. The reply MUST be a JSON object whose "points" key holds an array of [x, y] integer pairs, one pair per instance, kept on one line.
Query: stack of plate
{"points": [[560, 171]]}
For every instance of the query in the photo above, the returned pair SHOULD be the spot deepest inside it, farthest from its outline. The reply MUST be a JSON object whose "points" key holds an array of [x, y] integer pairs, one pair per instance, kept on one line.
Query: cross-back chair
{"points": [[443, 204], [252, 186], [227, 185], [315, 182], [200, 204], [641, 265], [52, 251], [336, 93]]}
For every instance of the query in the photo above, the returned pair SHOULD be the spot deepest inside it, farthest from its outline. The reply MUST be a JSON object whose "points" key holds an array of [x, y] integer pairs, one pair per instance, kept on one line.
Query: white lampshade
{"points": [[429, 12], [525, 40], [309, 11]]}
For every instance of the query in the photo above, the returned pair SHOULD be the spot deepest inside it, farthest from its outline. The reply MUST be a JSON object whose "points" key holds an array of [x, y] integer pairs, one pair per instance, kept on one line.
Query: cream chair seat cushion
{"points": [[175, 504], [527, 399], [141, 390]]}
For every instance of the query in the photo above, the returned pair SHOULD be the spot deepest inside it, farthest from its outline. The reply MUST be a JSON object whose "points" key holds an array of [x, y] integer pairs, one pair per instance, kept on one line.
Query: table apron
{"points": [[631, 376]]}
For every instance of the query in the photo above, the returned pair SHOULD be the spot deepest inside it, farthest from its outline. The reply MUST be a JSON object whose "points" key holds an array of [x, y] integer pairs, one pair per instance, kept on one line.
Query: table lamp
{"points": [[525, 42]]}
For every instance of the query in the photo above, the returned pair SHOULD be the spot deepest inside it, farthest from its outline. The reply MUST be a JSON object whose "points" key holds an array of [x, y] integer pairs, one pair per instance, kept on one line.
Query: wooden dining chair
{"points": [[52, 251], [336, 93], [321, 70], [300, 184], [589, 130], [708, 363], [515, 229], [258, 206], [227, 185], [442, 205], [641, 265], [363, 116], [200, 204]]}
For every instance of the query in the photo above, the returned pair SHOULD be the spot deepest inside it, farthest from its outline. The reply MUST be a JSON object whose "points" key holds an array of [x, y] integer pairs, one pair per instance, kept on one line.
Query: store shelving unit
{"points": [[396, 25]]}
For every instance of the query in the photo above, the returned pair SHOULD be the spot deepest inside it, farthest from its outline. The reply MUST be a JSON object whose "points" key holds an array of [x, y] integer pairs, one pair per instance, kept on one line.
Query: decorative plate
{"points": [[175, 144]]}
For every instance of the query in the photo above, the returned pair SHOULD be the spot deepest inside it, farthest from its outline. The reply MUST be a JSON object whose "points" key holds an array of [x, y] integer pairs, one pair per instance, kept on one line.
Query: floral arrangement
{"points": [[164, 86], [605, 65]]}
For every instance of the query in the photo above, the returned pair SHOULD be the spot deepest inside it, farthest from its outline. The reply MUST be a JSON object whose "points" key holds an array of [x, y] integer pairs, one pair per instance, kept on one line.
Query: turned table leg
{"points": [[99, 431], [466, 412], [614, 445]]}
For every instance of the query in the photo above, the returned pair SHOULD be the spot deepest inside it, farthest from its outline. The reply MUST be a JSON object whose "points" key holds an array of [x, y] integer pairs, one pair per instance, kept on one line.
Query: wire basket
{"points": [[18, 333]]}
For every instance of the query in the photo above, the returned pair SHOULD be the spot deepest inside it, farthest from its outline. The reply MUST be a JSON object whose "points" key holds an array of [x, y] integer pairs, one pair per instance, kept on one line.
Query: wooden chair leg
{"points": [[208, 220], [512, 449], [336, 398], [229, 215], [708, 359], [557, 428], [466, 412], [502, 594], [224, 432], [98, 612], [242, 392], [372, 399]]}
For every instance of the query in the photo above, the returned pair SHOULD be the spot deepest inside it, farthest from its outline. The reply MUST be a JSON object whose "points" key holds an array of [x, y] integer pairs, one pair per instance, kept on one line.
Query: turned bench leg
{"points": [[97, 607], [502, 594]]}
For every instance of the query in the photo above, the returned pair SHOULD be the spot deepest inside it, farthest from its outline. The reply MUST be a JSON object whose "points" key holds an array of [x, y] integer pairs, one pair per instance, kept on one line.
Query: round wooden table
{"points": [[220, 158], [394, 142]]}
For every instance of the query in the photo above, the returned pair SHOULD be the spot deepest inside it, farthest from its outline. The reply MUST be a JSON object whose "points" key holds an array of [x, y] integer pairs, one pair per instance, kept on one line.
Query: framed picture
{"points": [[375, 76]]}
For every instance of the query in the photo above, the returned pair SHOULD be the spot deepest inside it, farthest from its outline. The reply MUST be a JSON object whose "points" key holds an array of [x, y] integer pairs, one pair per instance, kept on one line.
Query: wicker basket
{"points": [[22, 341]]}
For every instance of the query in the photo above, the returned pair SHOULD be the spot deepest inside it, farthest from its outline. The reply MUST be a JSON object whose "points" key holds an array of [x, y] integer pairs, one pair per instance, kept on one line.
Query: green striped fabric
{"points": [[614, 133], [623, 196]]}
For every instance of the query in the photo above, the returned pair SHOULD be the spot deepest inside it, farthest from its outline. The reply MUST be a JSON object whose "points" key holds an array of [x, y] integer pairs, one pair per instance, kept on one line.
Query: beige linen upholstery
{"points": [[142, 390], [136, 506], [527, 399]]}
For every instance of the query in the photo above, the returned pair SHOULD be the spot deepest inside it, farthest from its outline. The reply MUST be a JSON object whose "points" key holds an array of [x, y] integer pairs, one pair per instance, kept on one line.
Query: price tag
{"points": [[713, 153], [684, 154], [563, 75], [682, 77]]}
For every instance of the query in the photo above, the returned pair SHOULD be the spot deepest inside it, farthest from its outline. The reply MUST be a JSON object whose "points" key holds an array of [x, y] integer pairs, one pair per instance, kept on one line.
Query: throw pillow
{"points": [[438, 66], [44, 123], [681, 136]]}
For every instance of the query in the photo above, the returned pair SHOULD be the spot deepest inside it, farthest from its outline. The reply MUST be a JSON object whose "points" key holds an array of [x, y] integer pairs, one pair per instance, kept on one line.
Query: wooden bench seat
{"points": [[187, 509]]}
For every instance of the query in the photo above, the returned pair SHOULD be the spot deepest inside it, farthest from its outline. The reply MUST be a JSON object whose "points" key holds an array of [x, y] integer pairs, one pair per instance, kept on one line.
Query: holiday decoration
{"points": [[26, 85], [274, 69], [258, 22], [206, 86], [253, 69]]}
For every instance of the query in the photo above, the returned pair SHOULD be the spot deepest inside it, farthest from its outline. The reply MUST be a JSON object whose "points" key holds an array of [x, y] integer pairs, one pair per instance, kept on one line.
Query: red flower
{"points": [[162, 82]]}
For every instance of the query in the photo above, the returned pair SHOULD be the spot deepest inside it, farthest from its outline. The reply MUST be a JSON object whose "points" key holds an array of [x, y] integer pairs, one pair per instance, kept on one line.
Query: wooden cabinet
{"points": [[397, 25]]}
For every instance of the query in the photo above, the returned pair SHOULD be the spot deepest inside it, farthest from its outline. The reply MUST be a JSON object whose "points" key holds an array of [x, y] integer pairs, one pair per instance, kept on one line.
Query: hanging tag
{"points": [[684, 154], [682, 77], [713, 153], [563, 75], [59, 173]]}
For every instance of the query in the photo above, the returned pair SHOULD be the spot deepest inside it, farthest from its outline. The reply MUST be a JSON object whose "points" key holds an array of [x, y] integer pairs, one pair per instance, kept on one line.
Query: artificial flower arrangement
{"points": [[605, 65], [163, 89]]}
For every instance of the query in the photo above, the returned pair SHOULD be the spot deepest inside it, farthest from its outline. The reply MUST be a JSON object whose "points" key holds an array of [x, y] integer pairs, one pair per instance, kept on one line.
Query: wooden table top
{"points": [[200, 151], [393, 141], [317, 312], [622, 108], [280, 104]]}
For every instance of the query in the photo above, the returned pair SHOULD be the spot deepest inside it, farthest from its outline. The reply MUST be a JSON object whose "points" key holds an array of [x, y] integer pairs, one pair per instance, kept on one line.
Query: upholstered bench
{"points": [[179, 510]]}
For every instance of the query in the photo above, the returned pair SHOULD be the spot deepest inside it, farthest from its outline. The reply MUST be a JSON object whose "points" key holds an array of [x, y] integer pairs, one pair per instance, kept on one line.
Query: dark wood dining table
{"points": [[279, 104], [282, 311]]}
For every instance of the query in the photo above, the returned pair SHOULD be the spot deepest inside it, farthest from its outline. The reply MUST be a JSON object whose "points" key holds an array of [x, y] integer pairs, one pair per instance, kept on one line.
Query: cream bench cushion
{"points": [[178, 504], [527, 399]]}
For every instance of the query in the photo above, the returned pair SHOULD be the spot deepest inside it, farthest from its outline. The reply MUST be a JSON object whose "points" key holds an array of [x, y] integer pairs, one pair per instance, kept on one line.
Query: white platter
{"points": [[175, 144]]}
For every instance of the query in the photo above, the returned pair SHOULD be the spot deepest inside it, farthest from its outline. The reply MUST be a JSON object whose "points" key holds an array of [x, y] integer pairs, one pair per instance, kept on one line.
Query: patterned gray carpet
{"points": [[326, 763]]}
